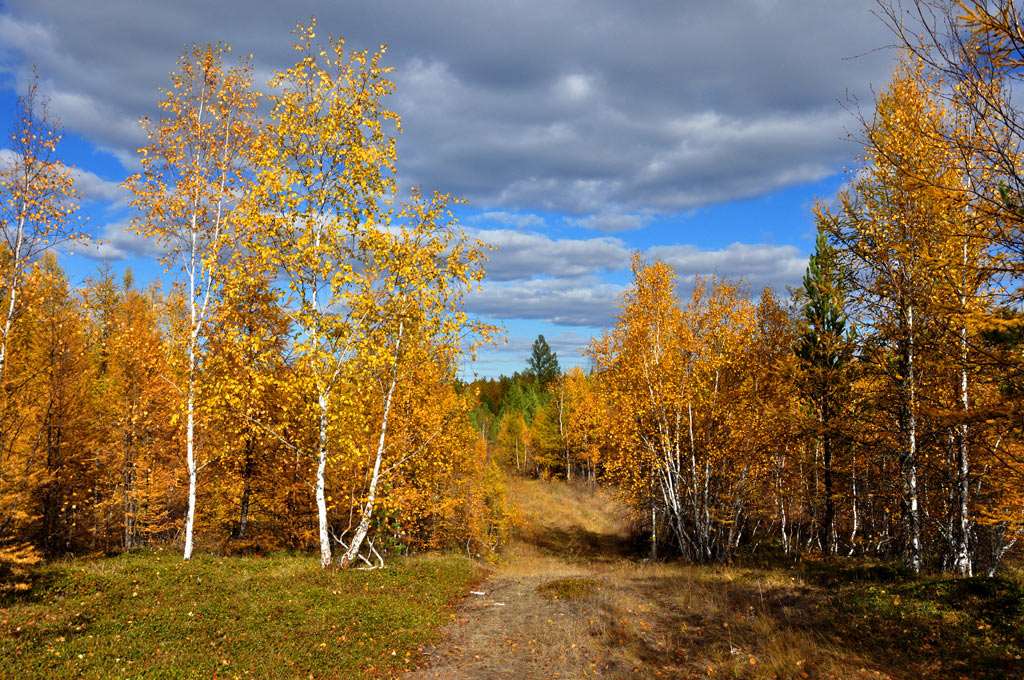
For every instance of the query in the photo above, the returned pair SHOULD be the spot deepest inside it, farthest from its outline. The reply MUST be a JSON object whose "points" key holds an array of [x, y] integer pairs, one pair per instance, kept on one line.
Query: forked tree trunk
{"points": [[371, 497]]}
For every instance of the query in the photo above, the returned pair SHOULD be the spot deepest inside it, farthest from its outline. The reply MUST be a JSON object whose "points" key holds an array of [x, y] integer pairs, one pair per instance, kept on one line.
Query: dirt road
{"points": [[553, 603], [571, 599]]}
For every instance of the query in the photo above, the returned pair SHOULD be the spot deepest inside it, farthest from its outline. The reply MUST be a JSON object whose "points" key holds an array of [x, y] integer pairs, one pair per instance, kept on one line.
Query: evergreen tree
{"points": [[543, 363], [825, 350]]}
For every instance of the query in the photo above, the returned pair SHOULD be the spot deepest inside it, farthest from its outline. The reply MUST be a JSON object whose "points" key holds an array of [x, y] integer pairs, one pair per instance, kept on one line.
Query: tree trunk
{"points": [[828, 522], [371, 498], [190, 518], [853, 530], [321, 499], [911, 509], [243, 513], [131, 502], [654, 531], [962, 526]]}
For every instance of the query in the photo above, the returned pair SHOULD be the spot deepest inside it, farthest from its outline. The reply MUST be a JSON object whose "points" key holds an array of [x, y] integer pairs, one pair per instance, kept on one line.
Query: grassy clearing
{"points": [[149, 615]]}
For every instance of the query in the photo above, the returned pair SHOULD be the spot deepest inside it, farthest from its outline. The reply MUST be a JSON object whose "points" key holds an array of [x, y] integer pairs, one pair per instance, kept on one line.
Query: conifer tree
{"points": [[543, 363], [825, 350]]}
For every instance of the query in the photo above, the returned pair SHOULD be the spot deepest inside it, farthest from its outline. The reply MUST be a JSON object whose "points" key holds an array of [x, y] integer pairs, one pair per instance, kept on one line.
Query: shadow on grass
{"points": [[929, 629], [580, 545]]}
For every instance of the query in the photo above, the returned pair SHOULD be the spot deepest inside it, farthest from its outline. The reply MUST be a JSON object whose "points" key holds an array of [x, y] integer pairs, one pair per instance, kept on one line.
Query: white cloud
{"points": [[95, 188], [523, 255], [759, 265], [565, 302], [575, 87], [512, 355], [91, 186], [117, 241]]}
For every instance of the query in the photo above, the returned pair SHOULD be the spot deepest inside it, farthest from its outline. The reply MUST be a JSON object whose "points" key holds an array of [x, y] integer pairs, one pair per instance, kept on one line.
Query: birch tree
{"points": [[410, 315], [38, 201], [367, 279], [675, 381], [196, 171], [891, 229], [327, 168]]}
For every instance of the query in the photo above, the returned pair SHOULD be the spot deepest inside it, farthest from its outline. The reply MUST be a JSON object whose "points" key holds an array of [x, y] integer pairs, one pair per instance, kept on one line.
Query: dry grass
{"points": [[567, 588], [644, 619], [637, 619]]}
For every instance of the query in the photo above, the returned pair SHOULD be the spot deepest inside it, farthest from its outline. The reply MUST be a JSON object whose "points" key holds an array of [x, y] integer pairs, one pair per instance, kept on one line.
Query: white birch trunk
{"points": [[962, 556], [321, 500], [912, 520], [13, 295], [190, 453], [190, 517], [853, 530], [371, 498]]}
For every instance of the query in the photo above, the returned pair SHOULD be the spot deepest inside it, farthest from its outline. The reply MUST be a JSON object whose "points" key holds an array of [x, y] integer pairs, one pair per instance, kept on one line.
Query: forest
{"points": [[297, 383], [293, 384]]}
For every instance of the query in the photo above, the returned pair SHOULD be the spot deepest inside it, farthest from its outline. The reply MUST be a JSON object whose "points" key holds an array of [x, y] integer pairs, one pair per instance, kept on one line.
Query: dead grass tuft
{"points": [[567, 589]]}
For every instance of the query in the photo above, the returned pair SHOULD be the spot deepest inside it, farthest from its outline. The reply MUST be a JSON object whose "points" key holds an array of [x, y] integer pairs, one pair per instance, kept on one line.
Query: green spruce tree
{"points": [[543, 363], [825, 350]]}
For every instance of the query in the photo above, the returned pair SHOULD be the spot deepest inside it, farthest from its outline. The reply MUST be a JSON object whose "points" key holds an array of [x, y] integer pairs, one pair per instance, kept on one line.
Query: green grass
{"points": [[149, 615]]}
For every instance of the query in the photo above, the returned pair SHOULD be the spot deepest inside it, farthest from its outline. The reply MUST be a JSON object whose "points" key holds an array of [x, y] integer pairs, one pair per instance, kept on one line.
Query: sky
{"points": [[578, 133]]}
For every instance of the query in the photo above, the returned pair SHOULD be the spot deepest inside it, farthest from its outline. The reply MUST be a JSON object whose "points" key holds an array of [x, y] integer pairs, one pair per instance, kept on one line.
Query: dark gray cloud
{"points": [[607, 109]]}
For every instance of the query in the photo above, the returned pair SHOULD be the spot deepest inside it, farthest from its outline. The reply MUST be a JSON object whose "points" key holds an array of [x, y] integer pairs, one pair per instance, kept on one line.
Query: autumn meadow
{"points": [[271, 462]]}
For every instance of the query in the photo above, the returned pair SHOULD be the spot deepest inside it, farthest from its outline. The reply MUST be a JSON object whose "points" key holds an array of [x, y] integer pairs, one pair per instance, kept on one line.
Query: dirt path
{"points": [[572, 545], [605, 612]]}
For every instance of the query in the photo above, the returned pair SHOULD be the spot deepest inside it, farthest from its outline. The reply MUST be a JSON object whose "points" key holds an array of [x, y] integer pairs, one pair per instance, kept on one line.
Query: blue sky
{"points": [[699, 133]]}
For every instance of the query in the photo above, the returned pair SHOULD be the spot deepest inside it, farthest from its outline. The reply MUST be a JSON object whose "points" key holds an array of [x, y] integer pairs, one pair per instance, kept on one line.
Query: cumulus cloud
{"points": [[566, 302], [532, 276], [758, 265], [116, 241], [621, 107], [91, 186], [95, 188], [521, 255]]}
